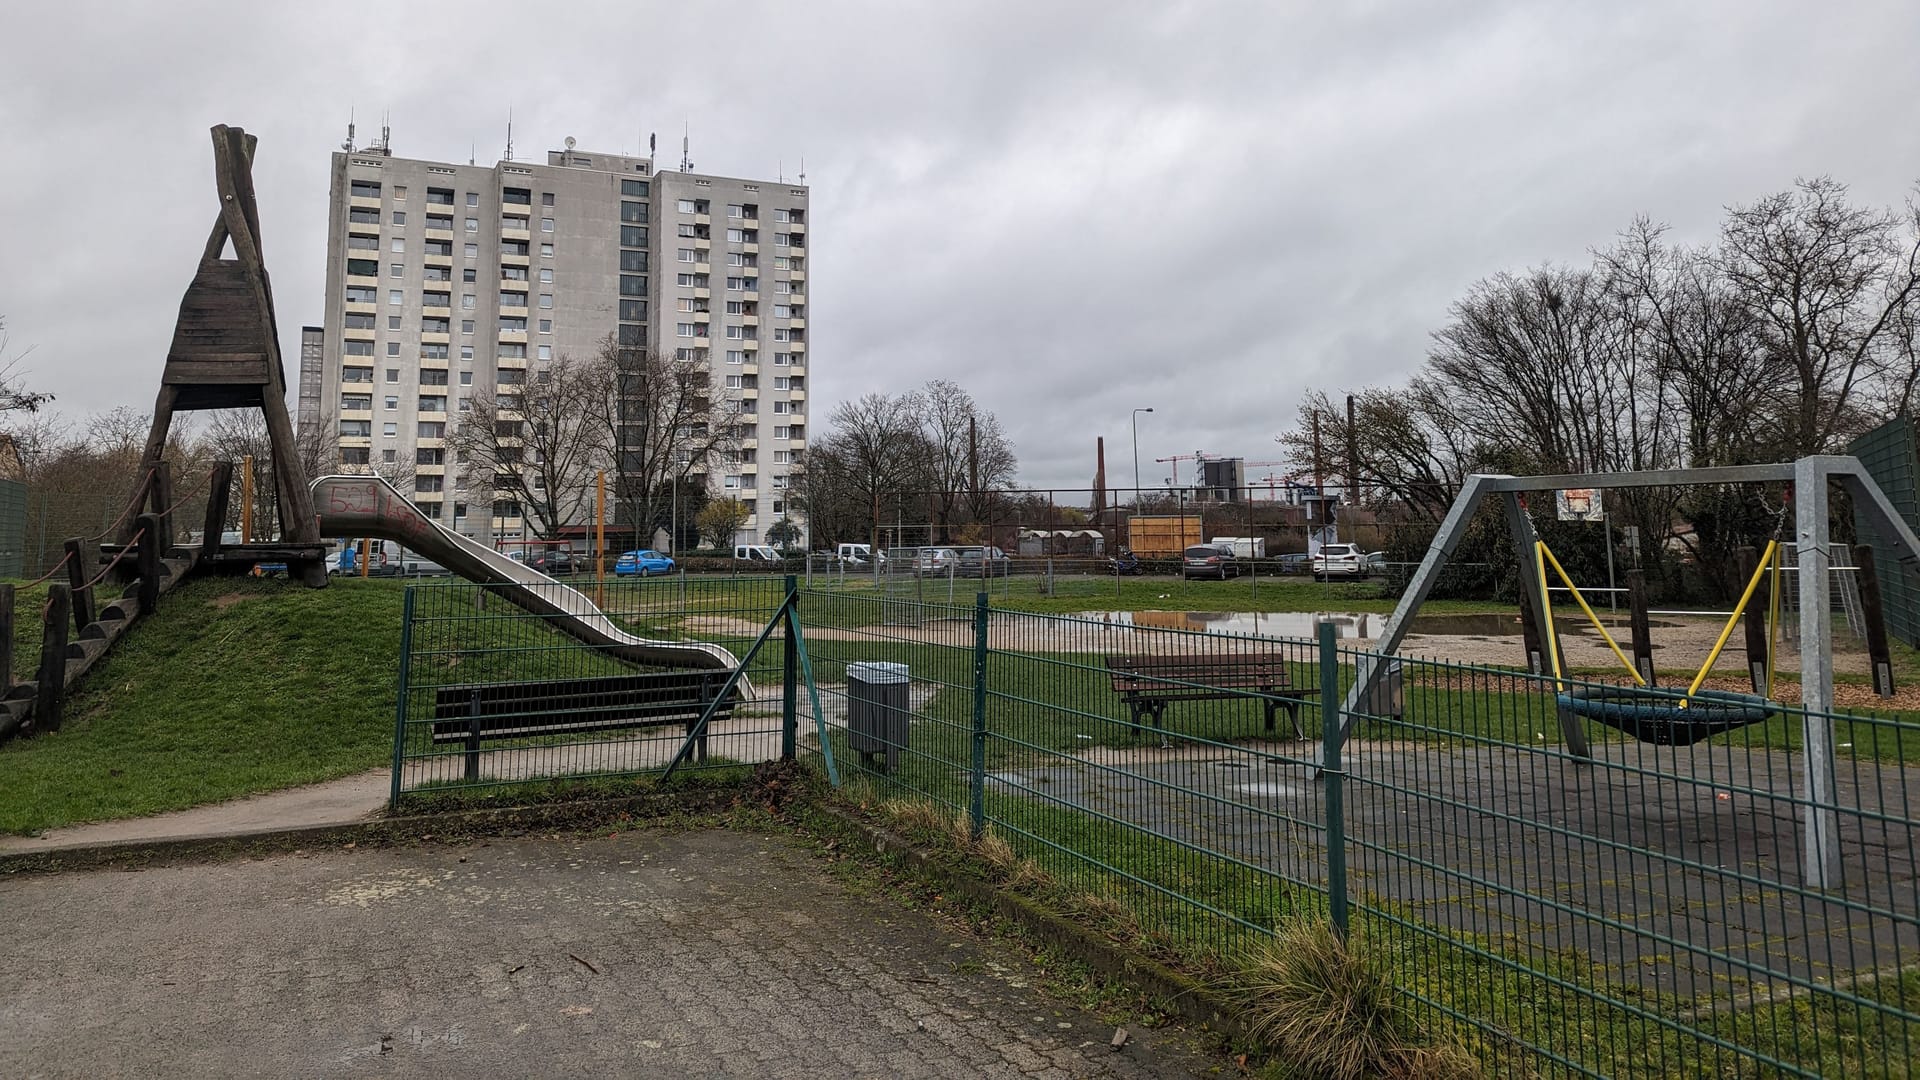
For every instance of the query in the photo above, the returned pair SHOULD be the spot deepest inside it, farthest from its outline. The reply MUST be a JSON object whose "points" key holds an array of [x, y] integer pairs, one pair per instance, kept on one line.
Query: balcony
{"points": [[508, 258], [749, 368], [750, 344], [797, 395], [702, 268], [703, 219], [357, 308], [430, 470], [703, 294], [523, 235], [509, 305], [750, 248], [749, 443], [751, 296], [796, 228], [362, 202], [356, 440], [702, 243], [702, 316], [440, 234], [749, 320], [796, 275], [797, 346], [430, 442], [357, 333], [516, 362], [513, 337], [797, 323], [363, 280], [796, 298], [434, 362], [356, 414], [427, 338]]}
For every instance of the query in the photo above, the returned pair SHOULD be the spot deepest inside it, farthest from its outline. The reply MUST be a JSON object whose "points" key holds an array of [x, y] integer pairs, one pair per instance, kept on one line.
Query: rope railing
{"points": [[133, 504], [115, 561], [56, 569]]}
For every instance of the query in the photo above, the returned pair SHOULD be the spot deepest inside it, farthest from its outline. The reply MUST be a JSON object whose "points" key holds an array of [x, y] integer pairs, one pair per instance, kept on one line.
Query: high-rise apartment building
{"points": [[446, 280]]}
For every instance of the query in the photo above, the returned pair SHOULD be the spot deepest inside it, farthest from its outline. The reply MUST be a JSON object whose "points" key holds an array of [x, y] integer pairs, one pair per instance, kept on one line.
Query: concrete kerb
{"points": [[1172, 991]]}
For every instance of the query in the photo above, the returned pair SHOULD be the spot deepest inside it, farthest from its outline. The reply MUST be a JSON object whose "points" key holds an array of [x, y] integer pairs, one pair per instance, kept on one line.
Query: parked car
{"points": [[553, 562], [982, 563], [1123, 562], [935, 560], [642, 563], [1376, 564], [757, 553], [1339, 561], [1206, 560], [1296, 562], [858, 554]]}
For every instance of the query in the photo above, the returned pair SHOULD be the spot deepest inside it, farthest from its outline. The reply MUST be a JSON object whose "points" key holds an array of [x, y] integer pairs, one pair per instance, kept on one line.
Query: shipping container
{"points": [[1162, 535]]}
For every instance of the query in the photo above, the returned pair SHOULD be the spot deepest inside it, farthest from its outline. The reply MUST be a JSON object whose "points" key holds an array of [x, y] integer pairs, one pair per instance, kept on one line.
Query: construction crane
{"points": [[1196, 457]]}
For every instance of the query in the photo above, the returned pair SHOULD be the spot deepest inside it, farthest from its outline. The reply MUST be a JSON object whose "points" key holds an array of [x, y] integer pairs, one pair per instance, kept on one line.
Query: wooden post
{"points": [[147, 558], [6, 638], [219, 496], [77, 576], [50, 690], [160, 501], [246, 499], [366, 551], [1878, 654], [1641, 627], [1530, 641], [1755, 621]]}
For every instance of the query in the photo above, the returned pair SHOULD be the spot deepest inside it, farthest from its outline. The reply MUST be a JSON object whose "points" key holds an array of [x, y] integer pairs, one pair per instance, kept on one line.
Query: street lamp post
{"points": [[1136, 454]]}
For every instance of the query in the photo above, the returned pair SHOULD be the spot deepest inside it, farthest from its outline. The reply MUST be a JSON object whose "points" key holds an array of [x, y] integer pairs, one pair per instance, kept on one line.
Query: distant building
{"points": [[313, 366], [444, 280]]}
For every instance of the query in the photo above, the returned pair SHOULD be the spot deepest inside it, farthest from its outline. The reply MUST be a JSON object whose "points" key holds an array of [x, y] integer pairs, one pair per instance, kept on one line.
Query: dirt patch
{"points": [[222, 603]]}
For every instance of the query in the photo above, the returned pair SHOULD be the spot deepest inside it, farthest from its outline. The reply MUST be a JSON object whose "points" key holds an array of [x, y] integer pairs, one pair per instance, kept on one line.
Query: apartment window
{"points": [[546, 325], [354, 455], [440, 196], [363, 321], [633, 235], [393, 348], [686, 230], [432, 429], [629, 334], [433, 352], [735, 284], [513, 273], [734, 210], [393, 375], [363, 243], [733, 382], [473, 225], [633, 285], [687, 281], [780, 333], [780, 432], [466, 301], [634, 187], [473, 198], [685, 206], [781, 359], [783, 457], [469, 276], [546, 251], [397, 270], [363, 268], [751, 284], [466, 352], [780, 382], [736, 333], [437, 273], [433, 377], [358, 429], [544, 352], [466, 378], [365, 189], [736, 307], [514, 223], [546, 275], [513, 247], [356, 374], [435, 299], [735, 236], [437, 403], [684, 329], [546, 300], [516, 196], [782, 311], [779, 408], [735, 356], [514, 351], [390, 430], [387, 456], [513, 324], [440, 221], [780, 288], [356, 401], [513, 299], [396, 298], [633, 212], [684, 303], [365, 217], [546, 224], [399, 217], [429, 457], [780, 216], [466, 326], [732, 483], [632, 311]]}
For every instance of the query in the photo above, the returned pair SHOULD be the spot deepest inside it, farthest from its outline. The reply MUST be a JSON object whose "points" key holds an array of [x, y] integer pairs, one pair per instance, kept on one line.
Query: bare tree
{"points": [[1829, 286], [539, 442], [669, 420], [970, 456]]}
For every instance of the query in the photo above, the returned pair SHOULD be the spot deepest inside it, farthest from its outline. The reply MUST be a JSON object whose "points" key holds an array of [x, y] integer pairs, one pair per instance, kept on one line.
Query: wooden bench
{"points": [[1148, 683], [473, 713]]}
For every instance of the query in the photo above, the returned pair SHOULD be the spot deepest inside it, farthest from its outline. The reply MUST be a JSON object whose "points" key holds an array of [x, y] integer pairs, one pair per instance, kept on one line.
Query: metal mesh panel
{"points": [[1889, 454]]}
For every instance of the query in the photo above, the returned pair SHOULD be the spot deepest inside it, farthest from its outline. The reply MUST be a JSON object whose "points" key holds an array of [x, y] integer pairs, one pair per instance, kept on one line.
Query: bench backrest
{"points": [[559, 706], [1172, 674]]}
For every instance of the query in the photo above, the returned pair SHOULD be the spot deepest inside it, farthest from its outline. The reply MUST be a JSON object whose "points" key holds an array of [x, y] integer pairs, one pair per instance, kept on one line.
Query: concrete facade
{"points": [[444, 280]]}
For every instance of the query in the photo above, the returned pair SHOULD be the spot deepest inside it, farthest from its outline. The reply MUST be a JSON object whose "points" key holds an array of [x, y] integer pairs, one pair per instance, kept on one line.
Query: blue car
{"points": [[643, 563]]}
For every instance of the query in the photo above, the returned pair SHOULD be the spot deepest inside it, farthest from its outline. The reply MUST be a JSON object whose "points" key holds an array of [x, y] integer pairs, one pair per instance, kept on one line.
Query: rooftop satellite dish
{"points": [[569, 141]]}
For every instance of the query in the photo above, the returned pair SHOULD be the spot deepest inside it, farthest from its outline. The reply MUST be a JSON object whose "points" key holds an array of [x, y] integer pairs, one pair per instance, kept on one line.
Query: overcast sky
{"points": [[1072, 209]]}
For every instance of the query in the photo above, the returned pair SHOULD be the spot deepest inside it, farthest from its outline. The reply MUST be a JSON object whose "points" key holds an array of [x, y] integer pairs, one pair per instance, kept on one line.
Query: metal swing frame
{"points": [[1810, 477]]}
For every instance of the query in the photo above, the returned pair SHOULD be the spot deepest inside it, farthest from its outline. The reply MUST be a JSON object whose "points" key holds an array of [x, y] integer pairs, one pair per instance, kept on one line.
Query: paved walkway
{"points": [[337, 802], [703, 953]]}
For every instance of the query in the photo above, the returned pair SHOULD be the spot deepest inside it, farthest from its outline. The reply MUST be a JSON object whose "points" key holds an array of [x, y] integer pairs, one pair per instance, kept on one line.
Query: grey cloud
{"points": [[1072, 209]]}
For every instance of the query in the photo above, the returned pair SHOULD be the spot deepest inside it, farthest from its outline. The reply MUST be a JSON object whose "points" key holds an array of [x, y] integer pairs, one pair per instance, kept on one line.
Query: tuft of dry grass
{"points": [[914, 815], [1329, 1013]]}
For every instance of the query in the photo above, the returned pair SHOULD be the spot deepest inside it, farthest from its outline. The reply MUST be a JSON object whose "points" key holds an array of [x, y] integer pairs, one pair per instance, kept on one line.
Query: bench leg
{"points": [[1137, 709], [473, 737], [1159, 710], [1270, 706], [1293, 717]]}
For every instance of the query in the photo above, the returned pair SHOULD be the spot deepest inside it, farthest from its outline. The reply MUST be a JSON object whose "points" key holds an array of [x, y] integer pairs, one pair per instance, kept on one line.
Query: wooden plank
{"points": [[219, 497], [1879, 654], [6, 637], [147, 558], [1755, 622], [50, 688], [79, 570], [1641, 627]]}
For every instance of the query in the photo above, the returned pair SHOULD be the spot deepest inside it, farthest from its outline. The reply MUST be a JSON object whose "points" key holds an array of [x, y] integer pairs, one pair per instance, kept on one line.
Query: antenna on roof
{"points": [[509, 154], [348, 145], [803, 168], [653, 143], [386, 135], [473, 152], [686, 159], [780, 169]]}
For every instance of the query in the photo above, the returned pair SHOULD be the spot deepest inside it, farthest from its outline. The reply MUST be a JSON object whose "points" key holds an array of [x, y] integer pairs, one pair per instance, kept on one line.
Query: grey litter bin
{"points": [[878, 711], [1388, 698]]}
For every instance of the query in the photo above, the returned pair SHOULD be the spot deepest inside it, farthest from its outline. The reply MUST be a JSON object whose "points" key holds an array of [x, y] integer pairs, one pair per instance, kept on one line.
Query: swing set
{"points": [[1666, 717]]}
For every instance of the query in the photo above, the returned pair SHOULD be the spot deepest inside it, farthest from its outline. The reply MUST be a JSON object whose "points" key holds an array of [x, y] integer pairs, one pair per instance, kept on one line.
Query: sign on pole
{"points": [[1579, 504]]}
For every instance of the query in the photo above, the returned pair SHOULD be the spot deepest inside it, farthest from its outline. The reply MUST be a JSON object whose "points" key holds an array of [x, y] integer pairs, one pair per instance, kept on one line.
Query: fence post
{"points": [[977, 807], [6, 638], [77, 578], [400, 695], [50, 695], [219, 494], [1335, 778], [147, 557], [790, 672]]}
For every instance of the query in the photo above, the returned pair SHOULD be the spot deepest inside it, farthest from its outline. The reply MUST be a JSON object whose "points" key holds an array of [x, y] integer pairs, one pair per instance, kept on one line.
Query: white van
{"points": [[756, 553], [857, 554]]}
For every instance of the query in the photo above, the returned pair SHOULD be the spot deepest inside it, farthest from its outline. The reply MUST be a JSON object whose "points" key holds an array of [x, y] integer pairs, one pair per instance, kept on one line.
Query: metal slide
{"points": [[369, 506]]}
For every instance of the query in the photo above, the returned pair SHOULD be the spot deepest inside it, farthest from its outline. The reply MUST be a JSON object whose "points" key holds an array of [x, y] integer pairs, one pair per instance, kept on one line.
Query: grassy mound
{"points": [[234, 686]]}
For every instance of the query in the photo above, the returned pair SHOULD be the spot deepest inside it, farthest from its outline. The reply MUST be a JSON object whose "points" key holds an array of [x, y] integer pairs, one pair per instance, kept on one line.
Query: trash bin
{"points": [[878, 710], [1388, 697]]}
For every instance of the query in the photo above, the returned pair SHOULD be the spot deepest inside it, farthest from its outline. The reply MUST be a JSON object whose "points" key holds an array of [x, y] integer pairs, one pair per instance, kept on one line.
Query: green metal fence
{"points": [[1640, 910]]}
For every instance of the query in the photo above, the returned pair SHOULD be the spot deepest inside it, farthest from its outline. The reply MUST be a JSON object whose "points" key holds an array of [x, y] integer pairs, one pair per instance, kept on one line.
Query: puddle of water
{"points": [[1347, 624], [1268, 788]]}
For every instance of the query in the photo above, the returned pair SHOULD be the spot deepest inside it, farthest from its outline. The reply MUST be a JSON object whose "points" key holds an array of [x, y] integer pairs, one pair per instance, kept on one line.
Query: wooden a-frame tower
{"points": [[226, 349]]}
